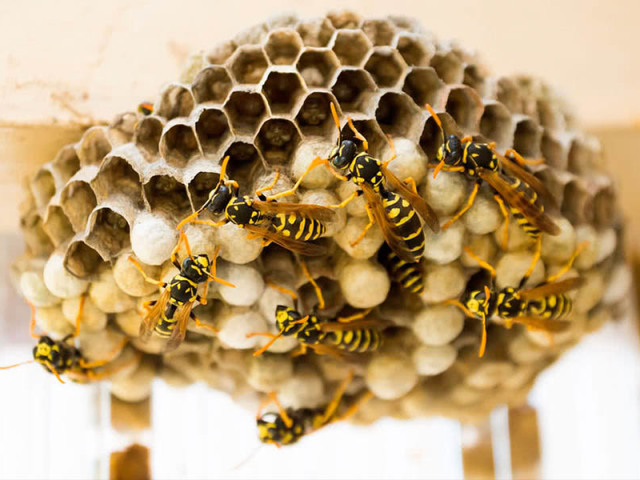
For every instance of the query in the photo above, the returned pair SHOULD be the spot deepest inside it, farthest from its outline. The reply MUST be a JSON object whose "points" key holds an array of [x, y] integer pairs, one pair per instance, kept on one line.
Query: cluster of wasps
{"points": [[400, 212]]}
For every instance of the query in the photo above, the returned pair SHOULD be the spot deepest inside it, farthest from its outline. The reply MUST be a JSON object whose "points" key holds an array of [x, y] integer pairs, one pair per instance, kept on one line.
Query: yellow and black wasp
{"points": [[544, 307], [288, 426], [290, 225], [514, 186], [169, 314], [61, 357], [145, 108], [324, 336], [396, 212], [408, 275]]}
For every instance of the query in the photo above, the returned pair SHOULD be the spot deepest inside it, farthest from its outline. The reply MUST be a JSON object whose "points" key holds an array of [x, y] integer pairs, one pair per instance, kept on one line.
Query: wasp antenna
{"points": [[484, 264], [436, 118], [53, 370], [17, 365], [32, 325], [336, 120], [223, 168]]}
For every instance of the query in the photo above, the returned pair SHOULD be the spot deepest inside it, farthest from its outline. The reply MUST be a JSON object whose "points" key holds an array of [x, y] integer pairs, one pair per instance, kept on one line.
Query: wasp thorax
{"points": [[344, 154], [220, 198], [509, 303], [197, 268]]}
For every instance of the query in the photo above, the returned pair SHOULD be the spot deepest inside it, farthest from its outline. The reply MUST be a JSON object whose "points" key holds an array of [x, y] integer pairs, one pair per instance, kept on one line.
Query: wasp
{"points": [[513, 184], [396, 212], [408, 275], [290, 225], [544, 307], [169, 314], [342, 335], [145, 108], [61, 357], [288, 426]]}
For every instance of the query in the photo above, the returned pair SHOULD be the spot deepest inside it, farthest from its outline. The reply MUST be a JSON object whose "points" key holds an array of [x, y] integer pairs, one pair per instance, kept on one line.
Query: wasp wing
{"points": [[543, 324], [394, 241], [517, 171], [517, 200], [554, 288], [323, 214], [152, 316], [180, 330], [417, 202], [357, 325], [297, 246]]}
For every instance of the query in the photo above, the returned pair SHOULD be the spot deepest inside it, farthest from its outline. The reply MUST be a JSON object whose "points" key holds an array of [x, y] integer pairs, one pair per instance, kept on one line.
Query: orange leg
{"points": [[355, 407], [315, 163], [316, 287], [268, 344], [112, 355], [212, 275], [464, 209], [394, 154], [284, 290], [464, 309], [210, 223], [366, 227], [260, 191], [534, 261], [466, 139], [53, 370], [32, 324], [346, 201], [335, 402], [353, 318], [145, 276], [484, 264], [412, 184], [200, 324], [510, 152], [79, 316], [569, 263]]}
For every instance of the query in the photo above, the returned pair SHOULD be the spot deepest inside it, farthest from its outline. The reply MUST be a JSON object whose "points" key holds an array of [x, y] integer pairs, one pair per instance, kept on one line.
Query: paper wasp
{"points": [[288, 426], [324, 336], [514, 186], [290, 225], [540, 308], [396, 212], [169, 314], [61, 357]]}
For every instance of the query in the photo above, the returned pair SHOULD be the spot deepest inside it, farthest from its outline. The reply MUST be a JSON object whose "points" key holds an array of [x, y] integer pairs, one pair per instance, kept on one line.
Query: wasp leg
{"points": [[316, 287], [32, 324], [534, 261], [412, 184], [466, 207], [355, 407], [358, 135], [347, 200], [393, 152], [149, 304], [315, 163], [79, 317], [353, 318], [283, 413], [260, 192], [53, 370], [212, 275], [510, 152], [335, 402], [200, 324], [210, 223], [145, 276], [284, 290], [268, 344], [302, 350], [505, 214], [366, 227], [94, 376], [110, 357], [569, 263]]}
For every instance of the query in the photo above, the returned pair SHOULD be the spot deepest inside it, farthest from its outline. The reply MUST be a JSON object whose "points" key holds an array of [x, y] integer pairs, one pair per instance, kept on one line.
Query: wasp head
{"points": [[285, 316], [450, 151], [342, 155], [220, 197], [273, 429], [196, 268]]}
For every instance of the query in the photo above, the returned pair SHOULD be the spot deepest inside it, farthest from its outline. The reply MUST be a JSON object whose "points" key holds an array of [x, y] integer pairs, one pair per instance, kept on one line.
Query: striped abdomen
{"points": [[298, 227], [532, 197], [408, 275], [167, 324], [406, 223], [553, 307], [356, 341]]}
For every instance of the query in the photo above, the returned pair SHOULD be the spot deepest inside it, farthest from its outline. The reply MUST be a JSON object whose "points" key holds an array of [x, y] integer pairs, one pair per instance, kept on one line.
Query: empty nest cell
{"points": [[315, 33], [345, 19], [277, 139], [43, 187], [77, 201], [244, 162], [248, 64], [352, 89], [415, 49], [526, 139], [423, 85], [397, 115], [212, 84], [386, 66], [246, 111], [66, 164], [465, 107], [212, 128], [379, 31], [175, 101], [93, 146], [117, 177], [109, 229], [496, 124], [283, 46], [431, 138], [448, 66], [148, 133], [166, 194], [82, 260], [282, 90], [317, 67], [178, 144], [351, 46], [200, 186], [57, 225]]}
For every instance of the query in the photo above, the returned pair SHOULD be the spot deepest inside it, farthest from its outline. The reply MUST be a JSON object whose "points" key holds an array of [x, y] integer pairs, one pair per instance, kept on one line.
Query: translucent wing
{"points": [[554, 288], [297, 246], [152, 317], [416, 201], [544, 324], [318, 212], [517, 171], [182, 318], [360, 324], [517, 200], [394, 241]]}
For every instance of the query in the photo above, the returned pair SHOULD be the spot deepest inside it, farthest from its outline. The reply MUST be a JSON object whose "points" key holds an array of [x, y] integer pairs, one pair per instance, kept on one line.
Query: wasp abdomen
{"points": [[408, 275], [553, 307], [298, 227], [406, 223], [362, 340]]}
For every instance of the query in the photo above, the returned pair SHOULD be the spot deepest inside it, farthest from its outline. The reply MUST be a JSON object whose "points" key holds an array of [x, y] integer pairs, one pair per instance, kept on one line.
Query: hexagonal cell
{"points": [[449, 67], [465, 106], [166, 194], [212, 84], [248, 64], [315, 33], [37, 241], [200, 186], [93, 146], [474, 77], [314, 116], [43, 187], [109, 229], [175, 101], [353, 88], [351, 46], [386, 66], [178, 144], [244, 160], [344, 19], [212, 128], [66, 164], [604, 207], [577, 203], [148, 133], [77, 201], [397, 115], [509, 94], [121, 128], [282, 90], [380, 31], [526, 139], [423, 85], [57, 225], [580, 158], [82, 260], [117, 177], [431, 138], [245, 110], [416, 50], [553, 152], [371, 131], [317, 67], [277, 139], [283, 46], [496, 124], [221, 53]]}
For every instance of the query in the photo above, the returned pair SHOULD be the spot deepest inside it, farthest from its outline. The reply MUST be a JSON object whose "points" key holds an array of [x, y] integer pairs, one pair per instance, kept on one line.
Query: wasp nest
{"points": [[263, 99]]}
